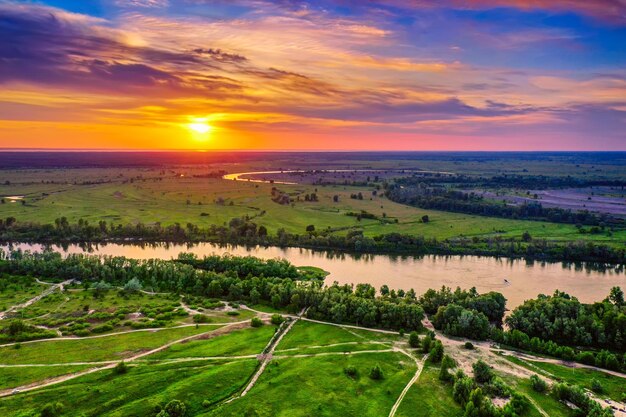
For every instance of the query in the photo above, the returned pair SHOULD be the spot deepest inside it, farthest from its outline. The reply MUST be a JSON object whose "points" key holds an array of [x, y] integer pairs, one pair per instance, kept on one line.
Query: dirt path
{"points": [[33, 300], [266, 357], [568, 364], [418, 372], [151, 330], [64, 378]]}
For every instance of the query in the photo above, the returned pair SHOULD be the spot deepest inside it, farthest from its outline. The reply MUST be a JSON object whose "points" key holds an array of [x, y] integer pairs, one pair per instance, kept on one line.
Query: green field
{"points": [[429, 397], [169, 199], [137, 392], [106, 348], [319, 386]]}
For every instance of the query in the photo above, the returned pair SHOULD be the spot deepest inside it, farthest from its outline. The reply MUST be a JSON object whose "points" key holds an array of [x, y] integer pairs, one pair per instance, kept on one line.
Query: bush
{"points": [[233, 313], [426, 343], [596, 386], [414, 340], [436, 353], [120, 368], [482, 372], [52, 410], [468, 345], [174, 408], [377, 373], [351, 371], [277, 319], [538, 384], [256, 322], [201, 318], [206, 403]]}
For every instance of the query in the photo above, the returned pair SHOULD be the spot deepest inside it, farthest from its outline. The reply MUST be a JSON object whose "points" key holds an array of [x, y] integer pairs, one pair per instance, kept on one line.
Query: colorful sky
{"points": [[327, 74]]}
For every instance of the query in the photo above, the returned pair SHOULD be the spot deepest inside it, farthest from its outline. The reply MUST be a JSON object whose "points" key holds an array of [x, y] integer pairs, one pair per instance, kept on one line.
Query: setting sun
{"points": [[199, 127]]}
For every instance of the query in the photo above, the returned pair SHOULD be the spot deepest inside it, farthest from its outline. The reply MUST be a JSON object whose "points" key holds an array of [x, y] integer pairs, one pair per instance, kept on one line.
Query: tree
{"points": [[482, 372], [436, 352], [174, 408], [277, 319], [526, 237], [132, 286], [446, 363], [384, 290], [377, 373], [617, 296], [414, 340], [310, 228], [596, 386], [538, 384], [335, 198], [425, 218], [426, 342]]}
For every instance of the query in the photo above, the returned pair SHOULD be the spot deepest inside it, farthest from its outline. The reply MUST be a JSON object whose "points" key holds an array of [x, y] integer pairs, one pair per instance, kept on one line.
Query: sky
{"points": [[313, 75]]}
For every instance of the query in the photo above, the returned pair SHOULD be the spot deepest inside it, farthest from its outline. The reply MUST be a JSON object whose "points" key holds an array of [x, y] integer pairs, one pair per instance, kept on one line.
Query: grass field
{"points": [[107, 348], [176, 199], [429, 397], [137, 392], [239, 342], [318, 386], [18, 376], [613, 386]]}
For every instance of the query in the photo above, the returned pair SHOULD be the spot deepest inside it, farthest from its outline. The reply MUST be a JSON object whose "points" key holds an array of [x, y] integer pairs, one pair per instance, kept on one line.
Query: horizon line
{"points": [[129, 150]]}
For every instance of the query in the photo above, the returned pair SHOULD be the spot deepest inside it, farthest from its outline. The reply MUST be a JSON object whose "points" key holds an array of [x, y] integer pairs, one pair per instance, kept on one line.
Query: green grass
{"points": [[16, 377], [319, 387], [248, 341], [166, 202], [429, 397], [79, 300], [305, 334], [137, 392], [614, 386], [114, 347], [18, 289], [340, 348], [547, 402]]}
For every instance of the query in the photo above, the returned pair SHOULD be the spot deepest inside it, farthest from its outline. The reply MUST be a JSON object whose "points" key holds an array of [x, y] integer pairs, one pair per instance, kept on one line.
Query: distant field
{"points": [[165, 197]]}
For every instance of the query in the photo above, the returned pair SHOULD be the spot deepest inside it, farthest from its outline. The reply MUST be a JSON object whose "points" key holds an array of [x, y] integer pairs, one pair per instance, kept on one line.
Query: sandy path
{"points": [[58, 380], [33, 300]]}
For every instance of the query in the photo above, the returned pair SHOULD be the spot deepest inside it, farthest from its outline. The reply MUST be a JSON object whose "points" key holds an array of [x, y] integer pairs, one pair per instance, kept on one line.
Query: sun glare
{"points": [[199, 127]]}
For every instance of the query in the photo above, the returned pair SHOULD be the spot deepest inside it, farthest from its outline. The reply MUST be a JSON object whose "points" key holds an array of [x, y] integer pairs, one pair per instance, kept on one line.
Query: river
{"points": [[518, 280]]}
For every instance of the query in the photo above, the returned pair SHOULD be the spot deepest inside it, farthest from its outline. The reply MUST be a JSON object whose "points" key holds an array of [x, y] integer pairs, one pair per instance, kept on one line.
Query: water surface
{"points": [[518, 280]]}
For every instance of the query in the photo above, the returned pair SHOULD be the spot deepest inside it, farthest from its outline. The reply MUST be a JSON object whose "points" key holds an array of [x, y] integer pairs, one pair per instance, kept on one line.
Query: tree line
{"points": [[246, 232], [446, 199], [341, 304]]}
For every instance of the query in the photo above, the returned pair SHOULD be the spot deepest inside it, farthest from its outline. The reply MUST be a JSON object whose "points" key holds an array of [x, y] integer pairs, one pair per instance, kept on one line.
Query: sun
{"points": [[200, 127]]}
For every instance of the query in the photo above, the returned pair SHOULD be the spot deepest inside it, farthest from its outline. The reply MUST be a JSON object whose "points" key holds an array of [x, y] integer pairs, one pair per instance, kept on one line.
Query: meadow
{"points": [[150, 197]]}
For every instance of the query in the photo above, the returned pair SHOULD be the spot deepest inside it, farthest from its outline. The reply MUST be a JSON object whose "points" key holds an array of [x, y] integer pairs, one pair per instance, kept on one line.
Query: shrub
{"points": [[538, 384], [201, 318], [52, 410], [256, 322], [436, 352], [468, 345], [233, 313], [482, 372], [596, 386], [120, 368], [277, 319], [377, 373], [351, 371], [414, 340]]}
